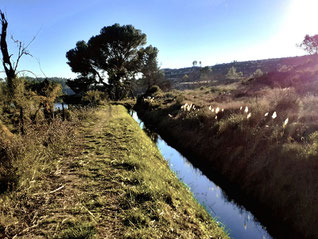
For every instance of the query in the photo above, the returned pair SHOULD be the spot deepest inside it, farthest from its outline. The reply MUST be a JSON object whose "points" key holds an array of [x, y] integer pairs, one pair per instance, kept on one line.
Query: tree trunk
{"points": [[9, 70]]}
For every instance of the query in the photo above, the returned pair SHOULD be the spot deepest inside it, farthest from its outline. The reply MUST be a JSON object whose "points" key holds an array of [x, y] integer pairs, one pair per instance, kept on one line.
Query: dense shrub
{"points": [[93, 97]]}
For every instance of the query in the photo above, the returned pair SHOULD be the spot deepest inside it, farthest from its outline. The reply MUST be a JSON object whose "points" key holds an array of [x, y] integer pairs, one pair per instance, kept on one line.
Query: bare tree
{"points": [[10, 67]]}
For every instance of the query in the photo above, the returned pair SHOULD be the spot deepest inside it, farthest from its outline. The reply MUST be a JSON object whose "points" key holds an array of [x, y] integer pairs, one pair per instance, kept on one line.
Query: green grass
{"points": [[99, 176], [71, 230], [154, 203]]}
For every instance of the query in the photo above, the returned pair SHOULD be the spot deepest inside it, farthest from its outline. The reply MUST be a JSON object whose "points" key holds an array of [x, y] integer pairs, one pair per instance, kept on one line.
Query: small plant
{"points": [[72, 230]]}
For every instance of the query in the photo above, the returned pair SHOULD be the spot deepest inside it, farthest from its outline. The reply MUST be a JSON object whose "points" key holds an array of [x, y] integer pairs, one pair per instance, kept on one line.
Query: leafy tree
{"points": [[149, 68], [194, 63], [81, 84], [310, 44], [112, 60]]}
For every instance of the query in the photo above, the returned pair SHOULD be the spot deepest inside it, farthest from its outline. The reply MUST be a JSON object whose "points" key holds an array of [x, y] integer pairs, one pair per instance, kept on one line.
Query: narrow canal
{"points": [[239, 222]]}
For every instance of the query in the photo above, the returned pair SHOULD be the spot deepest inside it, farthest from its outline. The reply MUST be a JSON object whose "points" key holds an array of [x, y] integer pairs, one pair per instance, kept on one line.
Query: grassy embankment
{"points": [[261, 134], [100, 178]]}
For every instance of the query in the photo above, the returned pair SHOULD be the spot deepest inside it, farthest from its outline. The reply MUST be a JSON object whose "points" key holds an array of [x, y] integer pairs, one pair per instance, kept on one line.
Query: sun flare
{"points": [[302, 18]]}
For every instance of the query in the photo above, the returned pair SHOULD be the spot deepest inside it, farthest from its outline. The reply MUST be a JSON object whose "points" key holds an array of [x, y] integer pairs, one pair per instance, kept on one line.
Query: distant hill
{"points": [[192, 77]]}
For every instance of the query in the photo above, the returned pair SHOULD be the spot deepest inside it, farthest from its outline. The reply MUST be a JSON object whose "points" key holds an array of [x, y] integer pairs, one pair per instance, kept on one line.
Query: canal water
{"points": [[58, 106], [239, 222]]}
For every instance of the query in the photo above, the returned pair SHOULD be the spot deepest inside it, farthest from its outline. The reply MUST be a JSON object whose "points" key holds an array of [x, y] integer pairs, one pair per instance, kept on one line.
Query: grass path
{"points": [[113, 183]]}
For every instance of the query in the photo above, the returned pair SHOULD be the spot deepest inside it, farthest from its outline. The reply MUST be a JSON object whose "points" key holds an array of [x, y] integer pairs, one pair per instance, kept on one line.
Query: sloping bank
{"points": [[151, 201], [266, 177]]}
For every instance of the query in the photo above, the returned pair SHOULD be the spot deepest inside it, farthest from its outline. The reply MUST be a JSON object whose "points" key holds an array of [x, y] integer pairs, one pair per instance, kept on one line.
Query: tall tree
{"points": [[112, 59]]}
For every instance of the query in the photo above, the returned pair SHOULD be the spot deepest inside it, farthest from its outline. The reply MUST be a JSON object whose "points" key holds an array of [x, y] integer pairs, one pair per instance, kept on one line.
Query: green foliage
{"points": [[81, 84], [76, 230], [93, 97], [118, 52], [46, 94], [62, 81], [153, 195]]}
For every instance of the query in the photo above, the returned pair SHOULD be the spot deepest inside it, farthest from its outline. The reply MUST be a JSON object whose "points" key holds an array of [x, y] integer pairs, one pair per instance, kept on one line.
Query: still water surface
{"points": [[239, 222]]}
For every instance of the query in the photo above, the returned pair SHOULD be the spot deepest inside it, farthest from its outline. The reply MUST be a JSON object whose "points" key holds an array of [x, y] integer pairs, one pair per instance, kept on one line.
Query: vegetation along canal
{"points": [[239, 222]]}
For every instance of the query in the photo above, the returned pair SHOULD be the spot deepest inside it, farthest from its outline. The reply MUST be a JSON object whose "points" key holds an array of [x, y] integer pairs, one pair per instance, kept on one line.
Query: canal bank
{"points": [[239, 222], [152, 201], [260, 184]]}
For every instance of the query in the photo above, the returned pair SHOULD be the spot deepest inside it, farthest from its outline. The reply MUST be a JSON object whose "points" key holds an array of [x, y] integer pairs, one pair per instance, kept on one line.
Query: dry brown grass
{"points": [[26, 164]]}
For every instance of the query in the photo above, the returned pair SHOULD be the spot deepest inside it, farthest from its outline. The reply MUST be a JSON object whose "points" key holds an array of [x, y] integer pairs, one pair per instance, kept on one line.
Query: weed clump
{"points": [[76, 230]]}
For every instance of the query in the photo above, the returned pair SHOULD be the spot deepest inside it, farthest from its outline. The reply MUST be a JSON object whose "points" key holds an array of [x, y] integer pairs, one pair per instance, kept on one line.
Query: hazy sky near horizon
{"points": [[211, 31]]}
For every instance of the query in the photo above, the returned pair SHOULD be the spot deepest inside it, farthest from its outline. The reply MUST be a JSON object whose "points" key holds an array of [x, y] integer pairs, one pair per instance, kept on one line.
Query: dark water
{"points": [[239, 222]]}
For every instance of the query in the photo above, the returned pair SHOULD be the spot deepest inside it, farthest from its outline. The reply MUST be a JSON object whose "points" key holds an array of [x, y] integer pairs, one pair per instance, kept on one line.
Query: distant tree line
{"points": [[60, 80]]}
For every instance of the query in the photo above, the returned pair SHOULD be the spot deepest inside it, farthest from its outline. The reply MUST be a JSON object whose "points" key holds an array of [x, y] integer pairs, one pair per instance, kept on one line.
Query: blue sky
{"points": [[211, 31]]}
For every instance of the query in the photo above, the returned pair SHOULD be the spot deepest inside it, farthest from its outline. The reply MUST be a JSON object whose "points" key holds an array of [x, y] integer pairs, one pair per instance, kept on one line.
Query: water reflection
{"points": [[239, 222]]}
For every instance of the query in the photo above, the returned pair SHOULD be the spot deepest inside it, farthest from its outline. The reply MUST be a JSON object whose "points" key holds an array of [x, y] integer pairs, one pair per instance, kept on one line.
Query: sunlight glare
{"points": [[299, 19], [302, 18]]}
